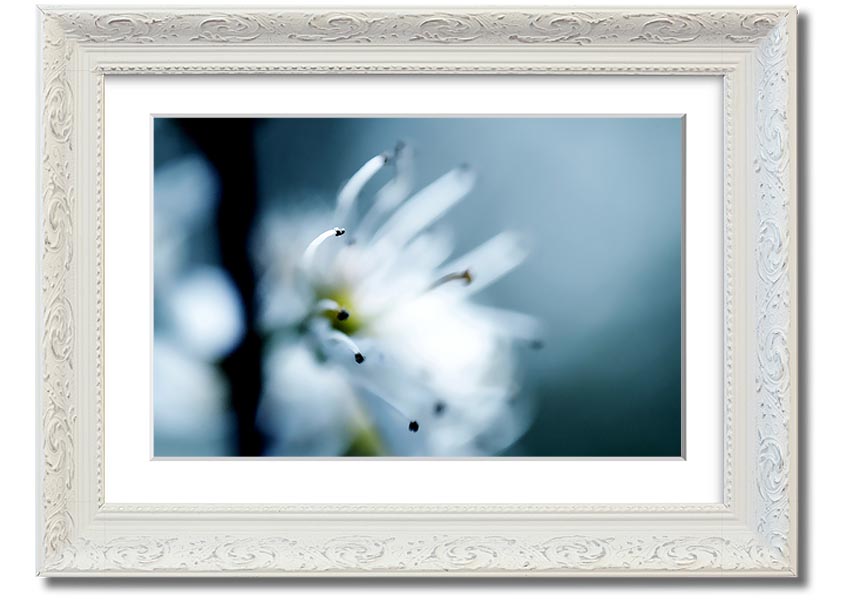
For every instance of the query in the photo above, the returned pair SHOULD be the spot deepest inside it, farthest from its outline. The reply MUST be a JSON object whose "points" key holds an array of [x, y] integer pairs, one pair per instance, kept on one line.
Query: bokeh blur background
{"points": [[599, 198]]}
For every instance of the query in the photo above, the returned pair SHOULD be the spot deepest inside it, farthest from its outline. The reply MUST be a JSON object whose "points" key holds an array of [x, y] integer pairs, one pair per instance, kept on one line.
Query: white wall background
{"points": [[825, 325]]}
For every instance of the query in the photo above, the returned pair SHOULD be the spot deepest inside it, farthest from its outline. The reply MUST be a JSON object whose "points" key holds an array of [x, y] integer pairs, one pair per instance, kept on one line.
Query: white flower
{"points": [[375, 343]]}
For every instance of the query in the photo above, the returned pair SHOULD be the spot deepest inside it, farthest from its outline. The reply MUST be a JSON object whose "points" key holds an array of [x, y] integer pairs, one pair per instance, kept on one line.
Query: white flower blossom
{"points": [[375, 343]]}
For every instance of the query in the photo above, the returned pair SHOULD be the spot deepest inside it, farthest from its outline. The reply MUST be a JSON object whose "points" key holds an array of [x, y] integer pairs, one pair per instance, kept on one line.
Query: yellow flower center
{"points": [[345, 319]]}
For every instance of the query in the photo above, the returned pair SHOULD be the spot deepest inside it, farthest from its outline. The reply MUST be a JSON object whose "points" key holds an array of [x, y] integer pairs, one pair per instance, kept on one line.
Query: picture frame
{"points": [[751, 533]]}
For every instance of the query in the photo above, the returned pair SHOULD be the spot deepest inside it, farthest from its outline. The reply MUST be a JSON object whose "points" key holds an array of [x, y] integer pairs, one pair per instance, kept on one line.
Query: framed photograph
{"points": [[411, 292]]}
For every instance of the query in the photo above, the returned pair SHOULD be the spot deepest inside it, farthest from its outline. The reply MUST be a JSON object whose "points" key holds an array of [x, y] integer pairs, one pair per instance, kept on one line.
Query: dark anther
{"points": [[439, 408], [338, 231], [414, 426], [359, 358], [342, 315]]}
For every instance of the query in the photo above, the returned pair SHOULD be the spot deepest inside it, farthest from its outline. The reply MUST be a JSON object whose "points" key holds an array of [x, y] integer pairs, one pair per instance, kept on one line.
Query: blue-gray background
{"points": [[601, 200]]}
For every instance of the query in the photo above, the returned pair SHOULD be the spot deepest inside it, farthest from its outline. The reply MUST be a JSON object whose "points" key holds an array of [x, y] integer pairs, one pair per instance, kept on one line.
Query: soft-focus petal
{"points": [[186, 192], [190, 404], [307, 406], [206, 313]]}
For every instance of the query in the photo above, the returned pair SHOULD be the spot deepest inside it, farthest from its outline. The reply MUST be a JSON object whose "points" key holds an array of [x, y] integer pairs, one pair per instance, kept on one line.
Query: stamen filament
{"points": [[339, 337], [352, 188], [327, 305], [392, 194], [465, 276], [412, 424], [310, 252]]}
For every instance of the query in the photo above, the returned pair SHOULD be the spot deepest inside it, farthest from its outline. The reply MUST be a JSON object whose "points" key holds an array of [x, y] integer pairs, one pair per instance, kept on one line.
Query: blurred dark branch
{"points": [[229, 146]]}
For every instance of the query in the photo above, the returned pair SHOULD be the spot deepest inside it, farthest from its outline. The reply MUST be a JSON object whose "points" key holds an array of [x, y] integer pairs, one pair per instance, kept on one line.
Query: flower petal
{"points": [[425, 207], [490, 261]]}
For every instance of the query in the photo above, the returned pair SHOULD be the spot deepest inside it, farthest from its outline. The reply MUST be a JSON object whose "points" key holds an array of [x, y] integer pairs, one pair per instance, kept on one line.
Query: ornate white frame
{"points": [[753, 532]]}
